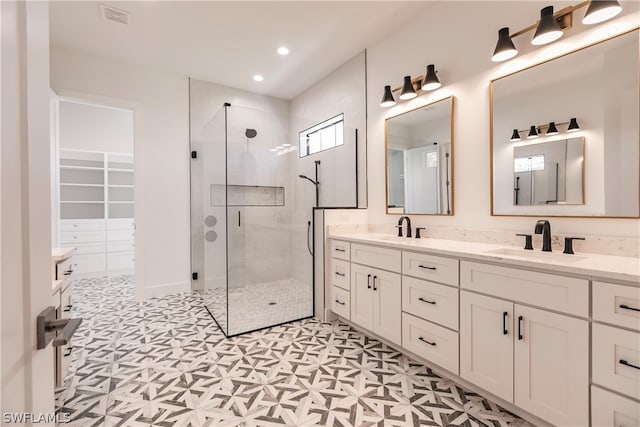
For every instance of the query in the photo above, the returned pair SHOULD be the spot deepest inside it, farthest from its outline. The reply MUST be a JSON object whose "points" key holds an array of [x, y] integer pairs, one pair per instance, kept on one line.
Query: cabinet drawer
{"points": [[64, 269], [431, 342], [88, 264], [65, 301], [120, 224], [79, 225], [86, 248], [121, 246], [340, 249], [384, 258], [120, 235], [120, 261], [81, 236], [438, 269], [566, 294], [341, 273], [616, 359], [610, 410], [433, 302], [616, 304], [340, 302]]}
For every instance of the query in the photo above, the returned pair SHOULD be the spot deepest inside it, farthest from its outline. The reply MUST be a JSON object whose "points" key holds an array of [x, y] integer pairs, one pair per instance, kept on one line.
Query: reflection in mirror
{"points": [[598, 86], [419, 147], [548, 173]]}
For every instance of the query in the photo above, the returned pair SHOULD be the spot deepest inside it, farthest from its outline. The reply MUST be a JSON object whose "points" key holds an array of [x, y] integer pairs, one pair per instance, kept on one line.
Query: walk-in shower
{"points": [[249, 238]]}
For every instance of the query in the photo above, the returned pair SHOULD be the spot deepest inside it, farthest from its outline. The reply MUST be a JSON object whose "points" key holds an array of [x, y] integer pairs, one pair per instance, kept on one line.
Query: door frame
{"points": [[138, 161]]}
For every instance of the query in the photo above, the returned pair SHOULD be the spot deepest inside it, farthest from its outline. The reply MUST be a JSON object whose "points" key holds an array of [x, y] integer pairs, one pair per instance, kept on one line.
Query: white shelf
{"points": [[83, 201], [121, 186], [90, 168], [120, 201], [73, 184], [121, 170]]}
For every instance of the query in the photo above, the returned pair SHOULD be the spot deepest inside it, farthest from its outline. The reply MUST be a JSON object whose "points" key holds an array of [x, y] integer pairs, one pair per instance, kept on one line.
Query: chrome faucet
{"points": [[543, 227], [399, 226]]}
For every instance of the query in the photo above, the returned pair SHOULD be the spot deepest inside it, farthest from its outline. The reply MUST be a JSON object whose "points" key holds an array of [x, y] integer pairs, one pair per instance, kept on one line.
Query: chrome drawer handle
{"points": [[339, 302], [427, 301], [626, 307], [427, 267], [631, 365], [425, 341], [340, 250], [340, 274]]}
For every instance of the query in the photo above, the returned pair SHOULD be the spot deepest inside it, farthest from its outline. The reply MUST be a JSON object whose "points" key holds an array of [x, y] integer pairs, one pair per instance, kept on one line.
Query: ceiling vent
{"points": [[110, 13]]}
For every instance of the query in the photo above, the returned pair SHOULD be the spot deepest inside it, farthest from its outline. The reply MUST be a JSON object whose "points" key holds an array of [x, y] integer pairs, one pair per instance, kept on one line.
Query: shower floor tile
{"points": [[164, 362], [259, 305]]}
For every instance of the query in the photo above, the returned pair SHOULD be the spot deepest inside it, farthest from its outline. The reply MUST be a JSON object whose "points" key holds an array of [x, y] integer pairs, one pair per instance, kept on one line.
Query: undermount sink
{"points": [[537, 255]]}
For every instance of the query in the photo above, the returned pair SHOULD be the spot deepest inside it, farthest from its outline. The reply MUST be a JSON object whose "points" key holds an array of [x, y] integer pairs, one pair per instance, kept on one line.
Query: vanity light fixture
{"points": [[551, 25], [553, 130], [408, 91], [600, 11], [573, 125], [387, 98], [431, 81], [548, 29], [505, 49]]}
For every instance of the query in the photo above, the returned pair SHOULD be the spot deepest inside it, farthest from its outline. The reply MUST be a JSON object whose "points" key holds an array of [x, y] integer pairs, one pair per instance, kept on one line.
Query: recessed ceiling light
{"points": [[258, 78], [283, 50]]}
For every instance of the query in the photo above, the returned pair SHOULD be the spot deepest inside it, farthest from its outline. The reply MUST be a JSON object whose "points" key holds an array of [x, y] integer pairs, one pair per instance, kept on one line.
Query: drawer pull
{"points": [[426, 300], [520, 336], [340, 250], [339, 302], [625, 363], [340, 274], [504, 323], [425, 341], [626, 307], [68, 352], [427, 267], [374, 283], [368, 281]]}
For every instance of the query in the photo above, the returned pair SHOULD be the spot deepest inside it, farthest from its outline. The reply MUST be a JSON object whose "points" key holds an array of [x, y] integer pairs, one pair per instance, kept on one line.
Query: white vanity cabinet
{"points": [[534, 358], [554, 343], [375, 301]]}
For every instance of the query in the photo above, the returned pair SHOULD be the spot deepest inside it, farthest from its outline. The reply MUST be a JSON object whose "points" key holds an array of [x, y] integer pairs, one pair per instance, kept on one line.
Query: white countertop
{"points": [[596, 266], [59, 254]]}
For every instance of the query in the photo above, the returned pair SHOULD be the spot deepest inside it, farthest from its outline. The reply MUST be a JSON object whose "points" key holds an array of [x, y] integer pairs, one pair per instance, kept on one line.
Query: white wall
{"points": [[95, 128], [161, 133], [461, 52]]}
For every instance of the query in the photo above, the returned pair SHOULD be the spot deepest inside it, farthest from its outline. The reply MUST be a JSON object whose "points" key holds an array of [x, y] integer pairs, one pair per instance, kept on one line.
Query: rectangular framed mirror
{"points": [[419, 160], [565, 137]]}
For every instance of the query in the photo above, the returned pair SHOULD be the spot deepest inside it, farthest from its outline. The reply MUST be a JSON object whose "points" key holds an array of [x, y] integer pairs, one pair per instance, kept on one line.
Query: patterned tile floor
{"points": [[164, 362], [259, 305]]}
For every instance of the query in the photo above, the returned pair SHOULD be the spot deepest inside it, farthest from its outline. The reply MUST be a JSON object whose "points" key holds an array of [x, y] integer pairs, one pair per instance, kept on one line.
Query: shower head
{"points": [[250, 133], [310, 180]]}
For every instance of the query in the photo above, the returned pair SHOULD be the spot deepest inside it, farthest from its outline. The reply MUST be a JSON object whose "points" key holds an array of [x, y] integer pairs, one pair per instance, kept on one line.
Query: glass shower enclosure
{"points": [[249, 244]]}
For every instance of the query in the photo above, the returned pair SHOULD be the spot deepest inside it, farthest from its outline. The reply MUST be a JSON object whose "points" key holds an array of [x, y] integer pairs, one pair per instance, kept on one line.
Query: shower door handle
{"points": [[238, 218]]}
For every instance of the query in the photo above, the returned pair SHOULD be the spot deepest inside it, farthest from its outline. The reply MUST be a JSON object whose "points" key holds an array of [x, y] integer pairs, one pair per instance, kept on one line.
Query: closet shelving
{"points": [[96, 209]]}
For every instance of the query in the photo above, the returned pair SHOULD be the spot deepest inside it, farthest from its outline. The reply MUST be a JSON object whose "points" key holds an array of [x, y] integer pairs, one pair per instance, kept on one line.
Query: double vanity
{"points": [[554, 337]]}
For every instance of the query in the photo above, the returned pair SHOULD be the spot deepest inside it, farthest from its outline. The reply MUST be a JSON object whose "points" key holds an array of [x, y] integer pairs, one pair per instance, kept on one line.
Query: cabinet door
{"points": [[387, 305], [552, 366], [486, 346], [362, 296]]}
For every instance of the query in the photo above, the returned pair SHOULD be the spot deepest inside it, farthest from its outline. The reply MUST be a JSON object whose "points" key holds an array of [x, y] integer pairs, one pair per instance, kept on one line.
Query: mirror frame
{"points": [[386, 158], [491, 83]]}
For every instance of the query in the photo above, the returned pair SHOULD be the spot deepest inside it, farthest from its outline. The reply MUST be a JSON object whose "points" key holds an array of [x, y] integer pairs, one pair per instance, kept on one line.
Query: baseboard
{"points": [[162, 289]]}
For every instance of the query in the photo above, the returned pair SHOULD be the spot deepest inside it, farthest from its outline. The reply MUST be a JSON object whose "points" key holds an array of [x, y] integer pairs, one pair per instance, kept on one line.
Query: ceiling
{"points": [[229, 42]]}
